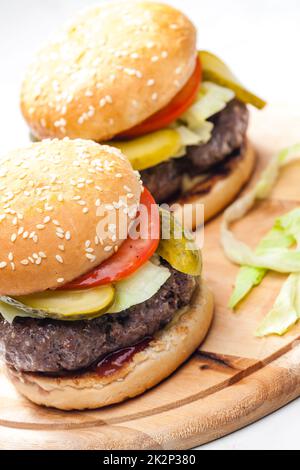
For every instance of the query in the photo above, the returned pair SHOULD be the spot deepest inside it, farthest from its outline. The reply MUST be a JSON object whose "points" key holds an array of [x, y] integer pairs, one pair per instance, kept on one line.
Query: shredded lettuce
{"points": [[139, 287], [212, 99], [9, 312], [285, 312], [272, 252], [198, 136], [251, 276], [277, 259], [192, 126]]}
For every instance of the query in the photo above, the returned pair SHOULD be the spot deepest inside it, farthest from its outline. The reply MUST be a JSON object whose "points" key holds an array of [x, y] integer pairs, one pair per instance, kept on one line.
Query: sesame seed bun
{"points": [[219, 190], [169, 348], [110, 69], [52, 196]]}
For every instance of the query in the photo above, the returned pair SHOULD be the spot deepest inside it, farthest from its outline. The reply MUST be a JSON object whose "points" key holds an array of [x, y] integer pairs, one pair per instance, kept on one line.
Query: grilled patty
{"points": [[230, 125], [30, 344]]}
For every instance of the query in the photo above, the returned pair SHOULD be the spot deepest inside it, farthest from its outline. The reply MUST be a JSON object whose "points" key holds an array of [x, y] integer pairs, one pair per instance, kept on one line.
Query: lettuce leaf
{"points": [[192, 126], [211, 99], [272, 253], [251, 276], [278, 259], [139, 287], [9, 312], [285, 312]]}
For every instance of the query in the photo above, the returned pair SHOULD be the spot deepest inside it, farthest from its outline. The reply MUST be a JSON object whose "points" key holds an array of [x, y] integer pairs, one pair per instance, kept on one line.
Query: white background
{"points": [[260, 39]]}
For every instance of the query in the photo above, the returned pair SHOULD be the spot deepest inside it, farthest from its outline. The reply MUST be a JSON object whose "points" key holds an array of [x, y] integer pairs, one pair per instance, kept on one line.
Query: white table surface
{"points": [[258, 38]]}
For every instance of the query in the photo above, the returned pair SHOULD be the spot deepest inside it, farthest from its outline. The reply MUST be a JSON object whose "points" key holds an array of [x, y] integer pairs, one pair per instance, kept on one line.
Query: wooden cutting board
{"points": [[232, 380]]}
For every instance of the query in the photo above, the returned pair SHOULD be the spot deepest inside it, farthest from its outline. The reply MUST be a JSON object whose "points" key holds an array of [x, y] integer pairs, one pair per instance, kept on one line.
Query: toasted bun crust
{"points": [[110, 69], [169, 349], [52, 196], [223, 190]]}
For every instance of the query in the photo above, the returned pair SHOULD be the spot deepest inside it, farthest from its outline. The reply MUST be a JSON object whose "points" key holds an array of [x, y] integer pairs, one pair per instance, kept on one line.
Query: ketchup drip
{"points": [[114, 361]]}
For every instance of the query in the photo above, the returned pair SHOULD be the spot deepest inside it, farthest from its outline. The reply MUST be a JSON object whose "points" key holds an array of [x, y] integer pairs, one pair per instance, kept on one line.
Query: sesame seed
{"points": [[13, 237], [68, 235], [150, 44], [10, 256], [85, 210], [59, 258], [60, 280], [61, 247], [154, 58], [107, 248], [150, 82], [25, 262], [40, 226], [90, 257], [154, 96], [47, 219], [3, 264]]}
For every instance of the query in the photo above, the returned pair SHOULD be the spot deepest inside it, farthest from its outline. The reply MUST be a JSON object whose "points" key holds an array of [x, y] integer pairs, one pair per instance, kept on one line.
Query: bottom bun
{"points": [[216, 192], [169, 348]]}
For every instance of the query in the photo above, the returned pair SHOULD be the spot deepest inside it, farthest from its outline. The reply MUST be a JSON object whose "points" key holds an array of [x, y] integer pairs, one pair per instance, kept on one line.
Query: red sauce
{"points": [[113, 362]]}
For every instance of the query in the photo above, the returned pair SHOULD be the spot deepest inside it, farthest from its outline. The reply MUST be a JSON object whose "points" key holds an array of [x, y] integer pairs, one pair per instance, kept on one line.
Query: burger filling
{"points": [[128, 298], [178, 176], [54, 346], [210, 131]]}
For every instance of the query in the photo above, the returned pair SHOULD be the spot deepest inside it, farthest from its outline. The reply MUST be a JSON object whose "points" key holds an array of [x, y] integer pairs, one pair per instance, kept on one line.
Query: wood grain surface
{"points": [[232, 380]]}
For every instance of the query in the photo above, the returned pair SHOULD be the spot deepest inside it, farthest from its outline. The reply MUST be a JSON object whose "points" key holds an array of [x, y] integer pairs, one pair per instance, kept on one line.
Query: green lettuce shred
{"points": [[275, 251], [285, 312], [139, 287], [251, 276], [212, 98]]}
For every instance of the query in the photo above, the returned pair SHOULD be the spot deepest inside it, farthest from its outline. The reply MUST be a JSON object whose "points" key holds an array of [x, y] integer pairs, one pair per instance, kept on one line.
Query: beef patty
{"points": [[230, 125], [39, 345]]}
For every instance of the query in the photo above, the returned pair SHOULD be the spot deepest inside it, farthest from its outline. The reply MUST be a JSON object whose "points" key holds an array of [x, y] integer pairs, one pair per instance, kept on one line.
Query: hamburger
{"points": [[129, 74], [96, 305]]}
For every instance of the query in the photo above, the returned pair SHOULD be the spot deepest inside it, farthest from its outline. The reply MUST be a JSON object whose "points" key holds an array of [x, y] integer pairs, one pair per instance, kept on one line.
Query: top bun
{"points": [[53, 196], [110, 69]]}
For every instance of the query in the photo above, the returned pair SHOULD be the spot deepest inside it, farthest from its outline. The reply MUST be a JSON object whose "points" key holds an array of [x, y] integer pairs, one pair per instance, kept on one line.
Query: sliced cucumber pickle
{"points": [[151, 149], [214, 70], [178, 249], [81, 304]]}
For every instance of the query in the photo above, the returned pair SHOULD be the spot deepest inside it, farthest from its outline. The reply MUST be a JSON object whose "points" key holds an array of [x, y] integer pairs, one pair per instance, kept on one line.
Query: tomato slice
{"points": [[132, 254], [179, 104]]}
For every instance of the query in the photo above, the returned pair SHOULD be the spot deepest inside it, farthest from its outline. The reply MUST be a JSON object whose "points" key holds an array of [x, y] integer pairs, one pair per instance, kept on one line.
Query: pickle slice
{"points": [[81, 304], [151, 149], [214, 69], [177, 246]]}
